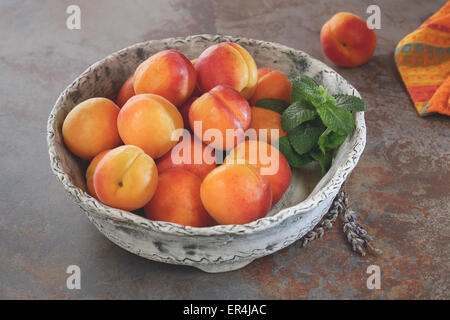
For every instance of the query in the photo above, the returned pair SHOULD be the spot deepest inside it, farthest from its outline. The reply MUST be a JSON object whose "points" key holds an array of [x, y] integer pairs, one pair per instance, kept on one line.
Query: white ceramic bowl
{"points": [[219, 248]]}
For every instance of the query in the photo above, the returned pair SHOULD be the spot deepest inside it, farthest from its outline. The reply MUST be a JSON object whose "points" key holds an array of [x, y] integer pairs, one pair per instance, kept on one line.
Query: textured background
{"points": [[400, 187]]}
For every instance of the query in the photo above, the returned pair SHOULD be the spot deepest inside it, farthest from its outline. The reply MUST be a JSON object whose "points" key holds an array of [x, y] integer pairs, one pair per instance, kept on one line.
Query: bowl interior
{"points": [[105, 78]]}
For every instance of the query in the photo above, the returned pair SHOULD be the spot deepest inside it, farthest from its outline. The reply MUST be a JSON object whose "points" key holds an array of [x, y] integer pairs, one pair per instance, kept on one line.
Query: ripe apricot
{"points": [[268, 120], [126, 92], [271, 163], [90, 173], [219, 110], [196, 92], [91, 127], [126, 178], [189, 154], [149, 122], [229, 64], [177, 200], [184, 110], [236, 194], [347, 41], [167, 73], [272, 84]]}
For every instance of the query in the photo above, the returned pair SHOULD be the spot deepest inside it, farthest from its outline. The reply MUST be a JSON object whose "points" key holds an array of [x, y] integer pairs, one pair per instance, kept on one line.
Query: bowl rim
{"points": [[90, 204]]}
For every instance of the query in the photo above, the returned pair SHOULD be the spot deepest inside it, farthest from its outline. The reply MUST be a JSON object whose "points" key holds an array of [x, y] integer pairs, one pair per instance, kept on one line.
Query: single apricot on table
{"points": [[149, 121], [90, 173], [270, 162], [189, 154], [347, 41], [126, 178], [270, 121], [229, 64], [177, 200], [236, 194], [220, 110], [167, 73], [91, 127], [272, 84]]}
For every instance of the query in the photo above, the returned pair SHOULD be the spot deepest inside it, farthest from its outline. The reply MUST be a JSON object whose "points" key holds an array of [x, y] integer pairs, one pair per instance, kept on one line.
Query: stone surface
{"points": [[400, 187]]}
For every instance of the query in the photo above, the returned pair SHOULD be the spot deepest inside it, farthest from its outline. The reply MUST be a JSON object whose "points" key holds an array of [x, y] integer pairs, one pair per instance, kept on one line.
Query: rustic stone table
{"points": [[400, 187]]}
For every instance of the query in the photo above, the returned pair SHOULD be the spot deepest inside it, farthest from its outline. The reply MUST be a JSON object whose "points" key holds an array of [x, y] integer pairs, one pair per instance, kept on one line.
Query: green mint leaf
{"points": [[330, 140], [336, 118], [350, 103], [276, 105], [303, 87], [304, 139], [296, 114], [323, 159], [295, 160]]}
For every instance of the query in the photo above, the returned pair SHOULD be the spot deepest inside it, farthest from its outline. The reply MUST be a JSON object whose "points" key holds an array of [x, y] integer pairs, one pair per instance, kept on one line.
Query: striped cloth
{"points": [[423, 60]]}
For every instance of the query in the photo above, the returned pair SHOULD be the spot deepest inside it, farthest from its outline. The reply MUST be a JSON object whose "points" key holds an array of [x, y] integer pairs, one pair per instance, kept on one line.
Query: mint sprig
{"points": [[330, 140], [304, 139], [297, 113], [317, 122], [294, 159], [324, 159], [336, 118], [350, 103]]}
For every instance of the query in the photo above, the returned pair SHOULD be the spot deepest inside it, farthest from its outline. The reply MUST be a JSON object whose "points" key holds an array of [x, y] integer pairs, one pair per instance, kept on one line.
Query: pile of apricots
{"points": [[129, 143]]}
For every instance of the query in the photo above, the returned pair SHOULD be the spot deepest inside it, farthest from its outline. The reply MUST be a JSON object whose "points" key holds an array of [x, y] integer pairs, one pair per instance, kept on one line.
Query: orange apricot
{"points": [[126, 92], [177, 200], [189, 154], [149, 121], [268, 120], [91, 127], [272, 84], [90, 173], [126, 178], [229, 64], [236, 194], [220, 111], [271, 163], [167, 73], [184, 110], [347, 41]]}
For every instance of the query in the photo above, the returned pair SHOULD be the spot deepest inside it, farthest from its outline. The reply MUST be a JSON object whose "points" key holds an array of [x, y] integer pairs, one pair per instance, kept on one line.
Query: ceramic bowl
{"points": [[223, 247]]}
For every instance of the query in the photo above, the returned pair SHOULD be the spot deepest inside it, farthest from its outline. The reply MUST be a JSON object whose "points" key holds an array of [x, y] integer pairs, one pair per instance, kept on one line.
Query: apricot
{"points": [[149, 122], [347, 41], [196, 92], [189, 154], [91, 127], [272, 84], [184, 110], [126, 178], [167, 73], [229, 64], [266, 119], [90, 173], [126, 92], [220, 109], [271, 163], [177, 200], [236, 194]]}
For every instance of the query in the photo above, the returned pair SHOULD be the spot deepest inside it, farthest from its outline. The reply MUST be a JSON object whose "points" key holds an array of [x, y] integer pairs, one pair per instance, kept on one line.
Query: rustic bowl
{"points": [[219, 248]]}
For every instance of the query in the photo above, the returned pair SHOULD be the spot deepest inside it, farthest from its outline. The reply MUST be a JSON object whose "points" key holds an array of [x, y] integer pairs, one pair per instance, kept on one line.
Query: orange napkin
{"points": [[423, 60]]}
